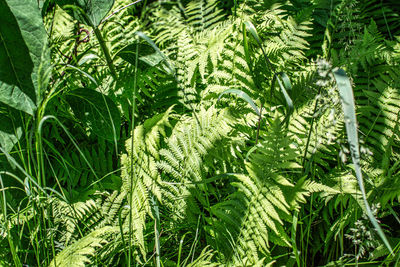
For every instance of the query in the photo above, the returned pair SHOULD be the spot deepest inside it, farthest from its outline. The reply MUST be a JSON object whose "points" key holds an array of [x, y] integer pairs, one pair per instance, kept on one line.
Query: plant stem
{"points": [[259, 122], [106, 52], [16, 260], [310, 132], [156, 215]]}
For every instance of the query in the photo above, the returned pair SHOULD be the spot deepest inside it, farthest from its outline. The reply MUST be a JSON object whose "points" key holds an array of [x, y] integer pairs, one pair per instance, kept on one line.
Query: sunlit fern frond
{"points": [[181, 162], [204, 259], [62, 30], [253, 216], [120, 27], [139, 171], [80, 252], [203, 15], [74, 219]]}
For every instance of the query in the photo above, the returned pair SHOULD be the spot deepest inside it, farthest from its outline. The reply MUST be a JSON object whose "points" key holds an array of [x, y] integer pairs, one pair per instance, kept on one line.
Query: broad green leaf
{"points": [[10, 127], [97, 111], [90, 12], [148, 57], [349, 110], [83, 72], [24, 56], [86, 58], [155, 47], [242, 95]]}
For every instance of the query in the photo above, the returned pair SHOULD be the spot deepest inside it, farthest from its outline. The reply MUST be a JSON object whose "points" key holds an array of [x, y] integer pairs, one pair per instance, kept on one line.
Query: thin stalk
{"points": [[132, 167], [310, 131], [106, 52], [180, 250], [156, 215], [259, 122], [42, 183], [16, 260], [308, 230]]}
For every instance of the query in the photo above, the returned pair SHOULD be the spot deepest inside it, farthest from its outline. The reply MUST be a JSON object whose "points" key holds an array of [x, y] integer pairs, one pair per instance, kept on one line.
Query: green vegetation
{"points": [[199, 133]]}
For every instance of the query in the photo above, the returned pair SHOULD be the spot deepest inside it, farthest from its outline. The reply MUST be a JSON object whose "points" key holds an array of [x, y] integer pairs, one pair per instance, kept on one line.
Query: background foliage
{"points": [[199, 133]]}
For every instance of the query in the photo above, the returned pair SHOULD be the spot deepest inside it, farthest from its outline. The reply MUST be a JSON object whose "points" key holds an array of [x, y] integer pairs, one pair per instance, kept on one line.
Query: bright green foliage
{"points": [[164, 138], [183, 161], [255, 214], [77, 254]]}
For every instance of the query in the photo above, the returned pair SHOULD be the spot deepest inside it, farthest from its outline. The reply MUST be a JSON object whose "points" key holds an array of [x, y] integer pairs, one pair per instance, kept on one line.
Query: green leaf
{"points": [[169, 66], [148, 57], [285, 86], [24, 56], [349, 110], [253, 31], [10, 127], [242, 95], [90, 12], [97, 111]]}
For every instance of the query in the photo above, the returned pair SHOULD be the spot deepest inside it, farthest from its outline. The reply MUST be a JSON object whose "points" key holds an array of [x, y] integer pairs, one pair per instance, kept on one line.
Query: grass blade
{"points": [[347, 98], [285, 86], [242, 95]]}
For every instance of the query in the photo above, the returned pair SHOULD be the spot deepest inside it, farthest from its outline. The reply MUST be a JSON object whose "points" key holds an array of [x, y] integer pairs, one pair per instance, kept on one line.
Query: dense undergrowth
{"points": [[199, 133]]}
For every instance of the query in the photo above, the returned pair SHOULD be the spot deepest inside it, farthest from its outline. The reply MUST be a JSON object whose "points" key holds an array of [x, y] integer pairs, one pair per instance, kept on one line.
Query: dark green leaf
{"points": [[97, 111], [148, 57], [285, 86], [24, 56], [90, 12], [155, 47]]}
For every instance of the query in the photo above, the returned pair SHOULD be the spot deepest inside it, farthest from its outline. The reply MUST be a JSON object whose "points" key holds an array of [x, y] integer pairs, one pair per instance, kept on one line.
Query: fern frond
{"points": [[267, 196], [203, 15], [79, 253], [182, 161]]}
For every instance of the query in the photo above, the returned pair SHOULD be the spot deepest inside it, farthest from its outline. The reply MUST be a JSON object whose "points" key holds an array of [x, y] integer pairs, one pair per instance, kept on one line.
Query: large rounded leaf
{"points": [[90, 12], [24, 56], [97, 111]]}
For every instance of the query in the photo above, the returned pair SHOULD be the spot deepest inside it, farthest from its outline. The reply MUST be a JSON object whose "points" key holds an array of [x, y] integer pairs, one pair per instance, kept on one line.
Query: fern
{"points": [[255, 214], [182, 161], [139, 170], [76, 169], [78, 253], [376, 79]]}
